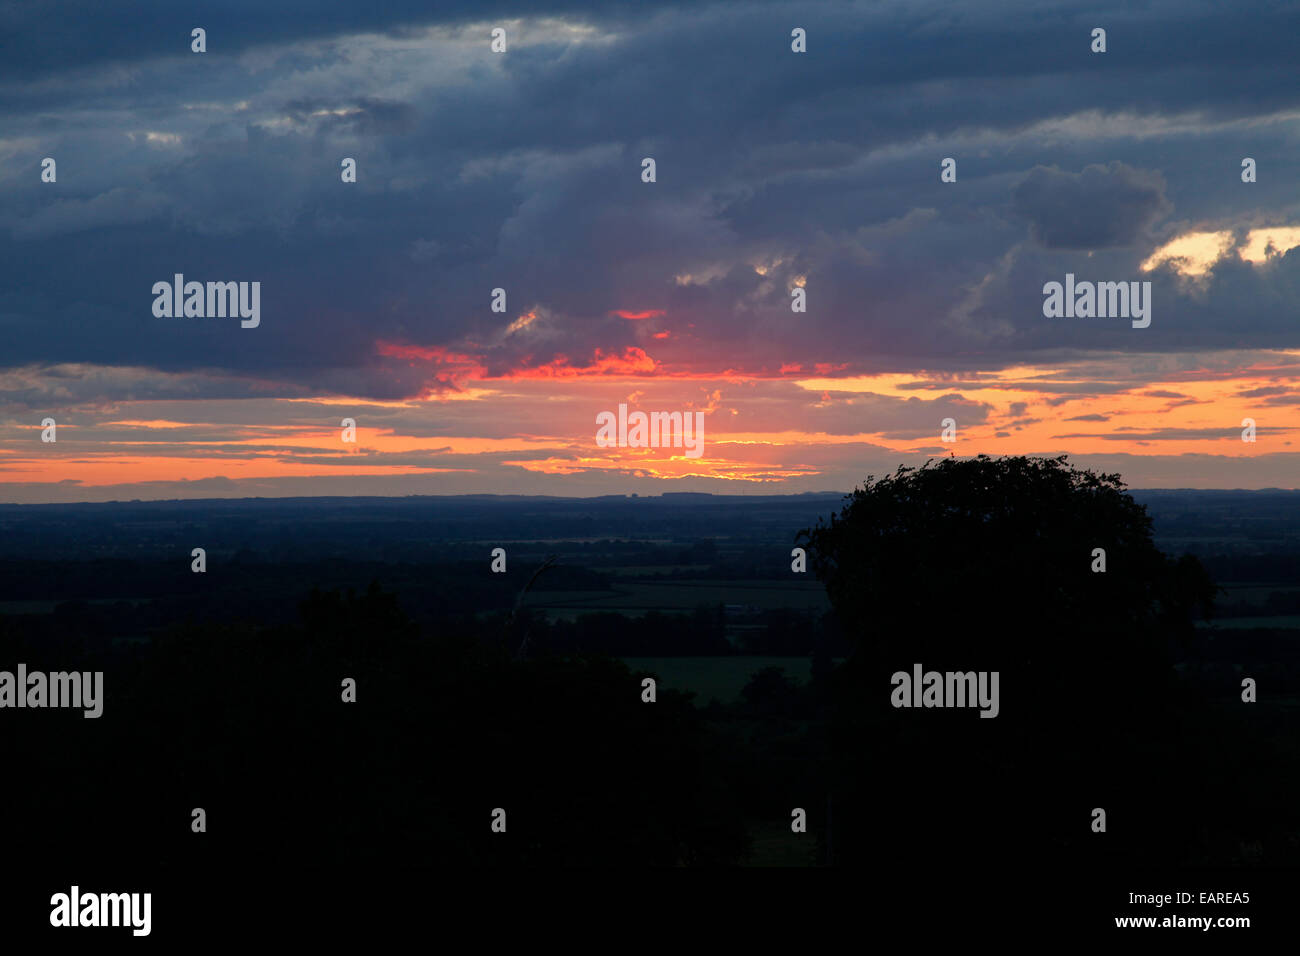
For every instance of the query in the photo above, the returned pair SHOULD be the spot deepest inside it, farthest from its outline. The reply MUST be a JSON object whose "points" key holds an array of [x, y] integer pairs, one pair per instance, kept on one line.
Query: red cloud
{"points": [[455, 367], [633, 361], [648, 314], [462, 363]]}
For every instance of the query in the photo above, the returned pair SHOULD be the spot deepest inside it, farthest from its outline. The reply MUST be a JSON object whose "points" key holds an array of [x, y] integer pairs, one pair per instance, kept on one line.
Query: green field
{"points": [[28, 607], [775, 845], [47, 607], [636, 596], [1237, 623]]}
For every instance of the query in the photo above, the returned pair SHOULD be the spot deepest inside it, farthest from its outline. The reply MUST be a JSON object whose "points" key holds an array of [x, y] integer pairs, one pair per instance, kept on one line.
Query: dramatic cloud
{"points": [[776, 173], [1103, 206]]}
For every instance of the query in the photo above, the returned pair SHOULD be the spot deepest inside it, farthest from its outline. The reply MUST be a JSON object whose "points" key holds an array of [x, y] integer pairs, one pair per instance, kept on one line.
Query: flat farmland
{"points": [[1281, 621], [635, 595]]}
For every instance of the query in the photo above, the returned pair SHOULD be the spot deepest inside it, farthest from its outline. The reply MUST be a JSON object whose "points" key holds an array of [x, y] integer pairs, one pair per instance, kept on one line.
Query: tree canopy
{"points": [[994, 562], [993, 565]]}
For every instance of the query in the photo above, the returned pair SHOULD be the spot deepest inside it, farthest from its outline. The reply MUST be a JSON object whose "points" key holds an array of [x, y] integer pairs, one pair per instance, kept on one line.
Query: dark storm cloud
{"points": [[521, 171], [60, 35], [366, 116], [1100, 207]]}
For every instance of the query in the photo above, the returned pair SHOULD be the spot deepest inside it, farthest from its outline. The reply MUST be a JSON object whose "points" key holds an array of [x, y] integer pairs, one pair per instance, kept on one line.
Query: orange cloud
{"points": [[462, 366], [432, 353], [763, 432], [632, 361]]}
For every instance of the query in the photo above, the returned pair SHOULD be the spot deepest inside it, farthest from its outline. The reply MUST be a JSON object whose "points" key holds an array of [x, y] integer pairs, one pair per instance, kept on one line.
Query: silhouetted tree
{"points": [[990, 561], [987, 564], [770, 692]]}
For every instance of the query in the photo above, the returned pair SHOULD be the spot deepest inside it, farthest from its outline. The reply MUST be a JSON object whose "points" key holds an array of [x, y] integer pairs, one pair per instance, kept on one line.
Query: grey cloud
{"points": [[1103, 206], [524, 172]]}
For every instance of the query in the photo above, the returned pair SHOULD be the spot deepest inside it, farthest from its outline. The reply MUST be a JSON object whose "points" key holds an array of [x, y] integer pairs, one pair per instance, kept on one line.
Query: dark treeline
{"points": [[780, 631], [1107, 699], [248, 724], [224, 691]]}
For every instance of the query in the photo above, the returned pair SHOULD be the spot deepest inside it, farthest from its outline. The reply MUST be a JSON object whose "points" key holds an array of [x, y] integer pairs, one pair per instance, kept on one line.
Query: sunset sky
{"points": [[775, 170]]}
